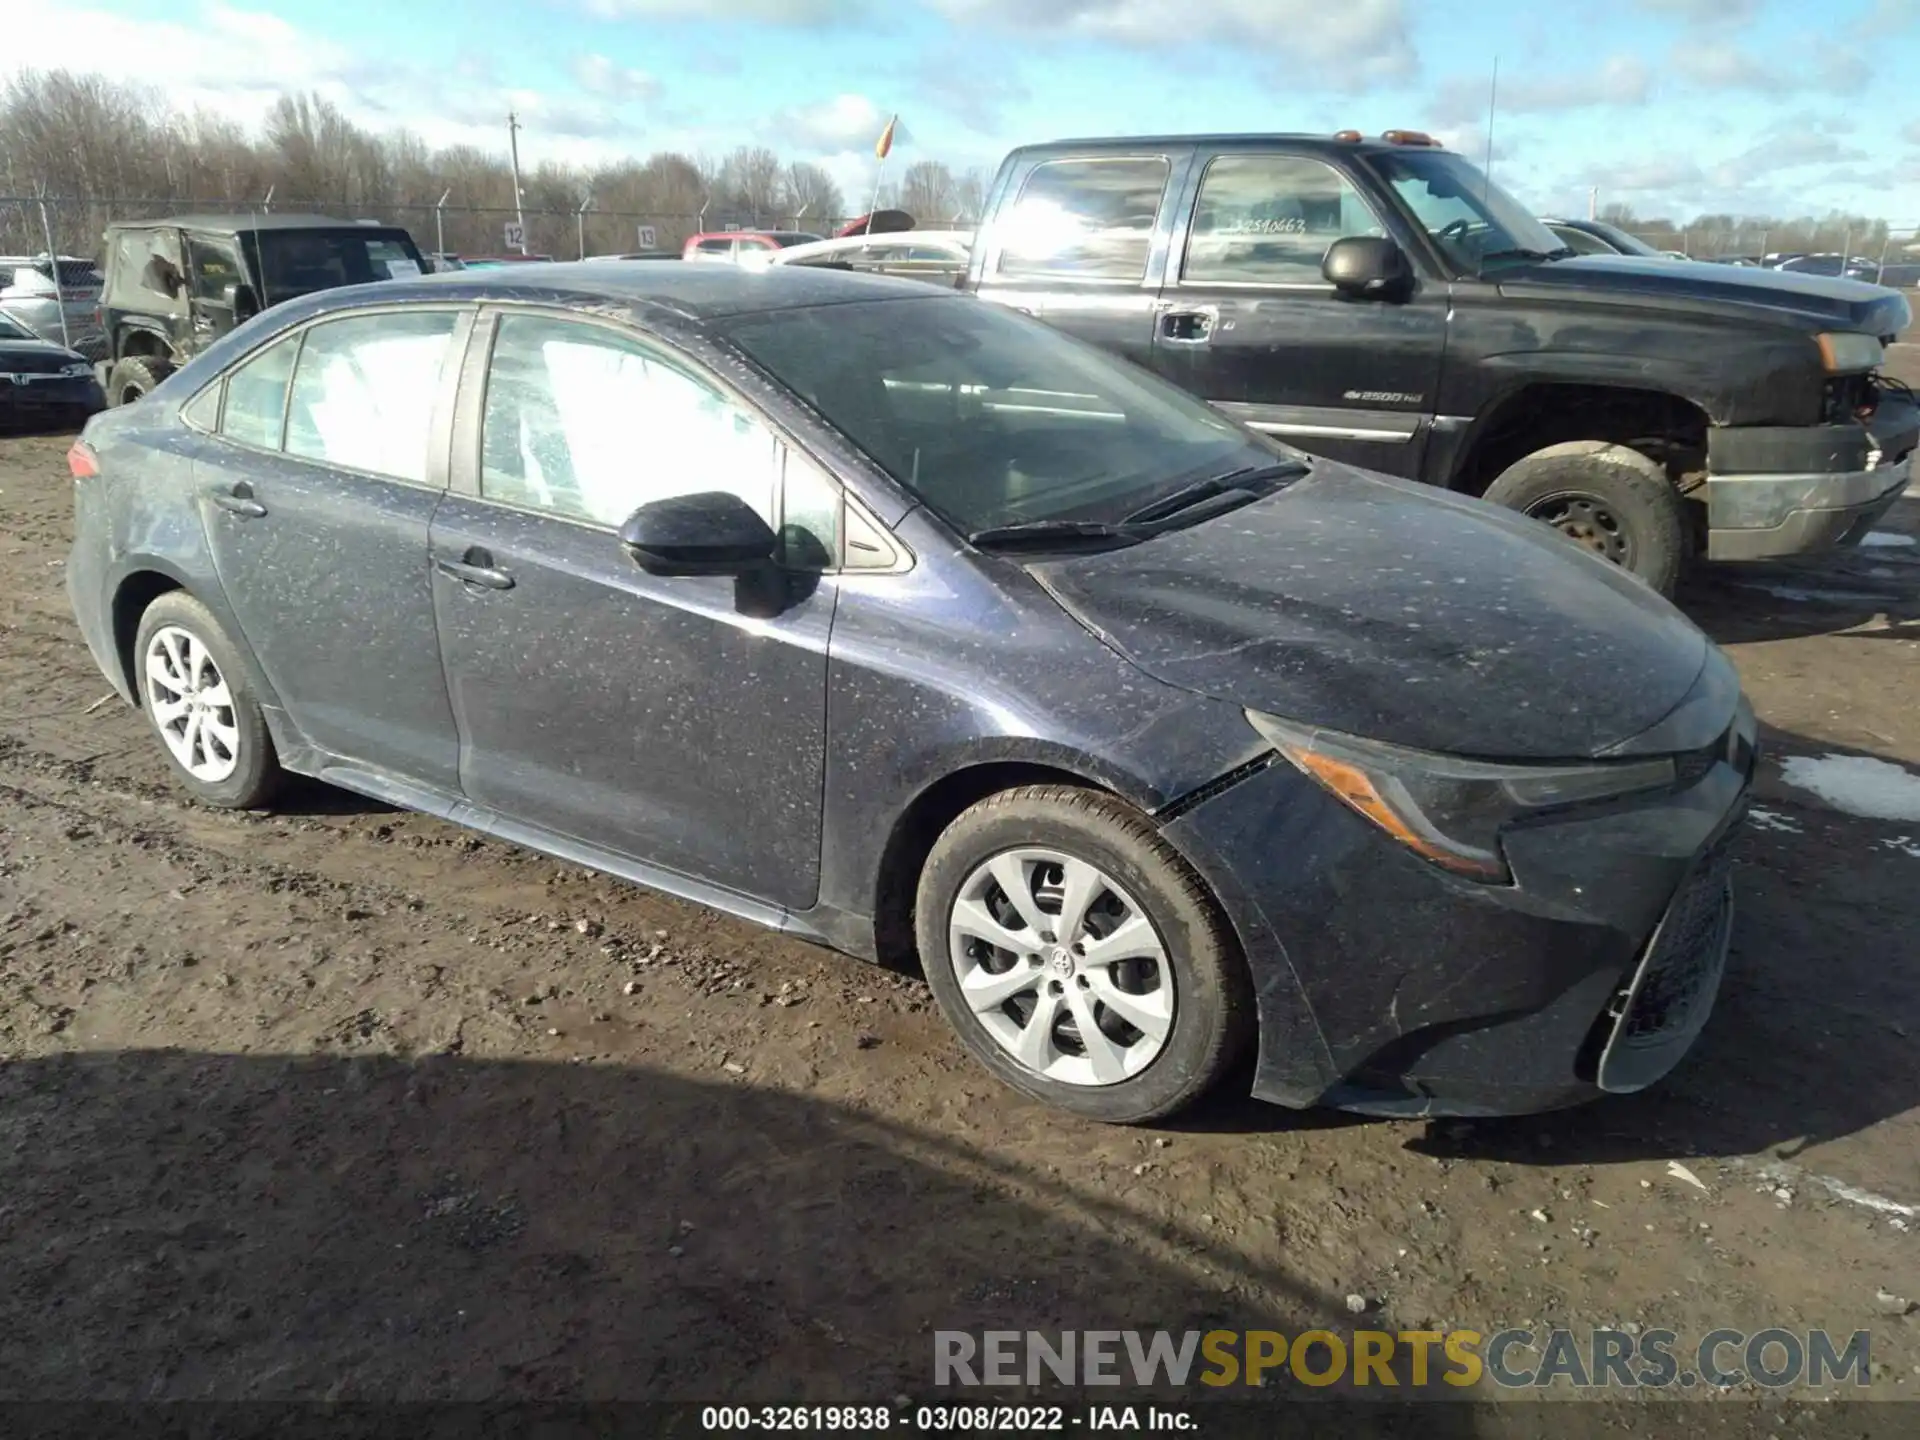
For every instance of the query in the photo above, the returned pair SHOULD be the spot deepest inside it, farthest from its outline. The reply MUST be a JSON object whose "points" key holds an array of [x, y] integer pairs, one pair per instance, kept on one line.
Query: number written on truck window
{"points": [[1084, 219], [1268, 220]]}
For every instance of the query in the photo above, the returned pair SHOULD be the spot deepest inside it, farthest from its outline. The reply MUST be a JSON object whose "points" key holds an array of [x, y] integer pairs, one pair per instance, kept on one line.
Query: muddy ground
{"points": [[345, 1102]]}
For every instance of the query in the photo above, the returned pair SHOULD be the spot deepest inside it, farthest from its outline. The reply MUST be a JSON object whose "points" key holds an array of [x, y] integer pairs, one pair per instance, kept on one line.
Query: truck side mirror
{"points": [[1367, 266]]}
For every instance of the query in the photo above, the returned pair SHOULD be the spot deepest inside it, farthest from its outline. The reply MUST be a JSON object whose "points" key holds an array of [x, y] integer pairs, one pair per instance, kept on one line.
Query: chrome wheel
{"points": [[191, 705], [1061, 967]]}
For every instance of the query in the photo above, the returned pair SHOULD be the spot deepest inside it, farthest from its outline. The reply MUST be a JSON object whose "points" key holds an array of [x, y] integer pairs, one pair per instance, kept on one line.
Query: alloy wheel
{"points": [[191, 704], [1062, 967]]}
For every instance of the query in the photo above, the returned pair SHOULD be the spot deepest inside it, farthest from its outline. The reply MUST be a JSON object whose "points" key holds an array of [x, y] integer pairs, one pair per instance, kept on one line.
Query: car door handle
{"points": [[239, 499], [477, 568], [1186, 327]]}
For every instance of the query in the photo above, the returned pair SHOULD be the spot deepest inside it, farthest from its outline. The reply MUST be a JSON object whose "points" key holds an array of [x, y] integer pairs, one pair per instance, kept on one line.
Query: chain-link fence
{"points": [[1884, 254], [73, 226]]}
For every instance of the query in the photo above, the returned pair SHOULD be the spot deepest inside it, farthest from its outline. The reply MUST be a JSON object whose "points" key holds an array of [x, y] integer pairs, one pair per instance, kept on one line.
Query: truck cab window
{"points": [[1268, 220], [1085, 219]]}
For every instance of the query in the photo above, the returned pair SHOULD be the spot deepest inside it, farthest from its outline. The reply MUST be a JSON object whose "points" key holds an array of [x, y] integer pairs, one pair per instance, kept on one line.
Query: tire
{"points": [[132, 378], [1200, 997], [180, 636], [1609, 498]]}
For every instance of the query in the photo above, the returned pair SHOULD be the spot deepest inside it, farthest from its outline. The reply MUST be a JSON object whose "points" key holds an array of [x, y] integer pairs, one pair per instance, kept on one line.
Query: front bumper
{"points": [[47, 397], [1387, 986], [1773, 492]]}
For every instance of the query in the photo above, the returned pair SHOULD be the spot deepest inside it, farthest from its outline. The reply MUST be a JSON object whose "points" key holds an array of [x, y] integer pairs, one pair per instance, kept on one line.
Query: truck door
{"points": [[1081, 244], [1246, 321]]}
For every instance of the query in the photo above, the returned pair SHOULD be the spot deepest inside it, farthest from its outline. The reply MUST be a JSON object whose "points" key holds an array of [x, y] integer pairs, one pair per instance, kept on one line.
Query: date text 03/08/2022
{"points": [[937, 1419]]}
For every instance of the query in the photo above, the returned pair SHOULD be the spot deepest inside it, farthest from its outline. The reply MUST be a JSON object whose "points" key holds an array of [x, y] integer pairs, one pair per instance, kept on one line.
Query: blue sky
{"points": [[1672, 106]]}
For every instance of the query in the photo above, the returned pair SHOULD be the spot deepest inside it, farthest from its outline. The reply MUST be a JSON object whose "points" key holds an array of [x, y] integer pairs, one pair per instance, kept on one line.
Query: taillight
{"points": [[82, 461]]}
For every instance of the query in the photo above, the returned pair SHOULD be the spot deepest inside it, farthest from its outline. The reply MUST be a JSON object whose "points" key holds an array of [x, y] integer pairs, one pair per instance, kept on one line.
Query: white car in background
{"points": [[33, 294], [937, 256]]}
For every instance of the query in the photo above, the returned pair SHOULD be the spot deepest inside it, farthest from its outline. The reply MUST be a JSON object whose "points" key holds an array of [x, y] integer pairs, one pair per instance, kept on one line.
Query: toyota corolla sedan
{"points": [[904, 624]]}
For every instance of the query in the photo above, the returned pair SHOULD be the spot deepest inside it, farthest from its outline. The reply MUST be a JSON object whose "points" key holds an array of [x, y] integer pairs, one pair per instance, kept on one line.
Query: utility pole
{"points": [[580, 221], [1593, 203], [513, 151]]}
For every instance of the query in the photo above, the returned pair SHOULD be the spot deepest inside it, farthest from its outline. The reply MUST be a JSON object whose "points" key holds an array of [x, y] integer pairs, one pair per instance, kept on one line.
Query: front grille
{"points": [[1683, 965]]}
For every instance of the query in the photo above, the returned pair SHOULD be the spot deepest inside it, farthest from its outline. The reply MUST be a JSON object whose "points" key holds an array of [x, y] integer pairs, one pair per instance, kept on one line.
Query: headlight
{"points": [[1847, 352], [79, 367], [1448, 810]]}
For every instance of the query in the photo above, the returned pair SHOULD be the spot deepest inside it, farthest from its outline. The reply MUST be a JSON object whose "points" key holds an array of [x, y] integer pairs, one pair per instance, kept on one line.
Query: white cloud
{"points": [[778, 12], [1698, 12], [601, 76], [1722, 65], [1348, 45], [1619, 80]]}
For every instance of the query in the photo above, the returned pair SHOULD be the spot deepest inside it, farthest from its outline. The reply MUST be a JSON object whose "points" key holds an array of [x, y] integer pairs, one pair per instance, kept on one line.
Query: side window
{"points": [[214, 266], [585, 423], [364, 391], [256, 404], [1268, 220], [1087, 219], [716, 247], [810, 510]]}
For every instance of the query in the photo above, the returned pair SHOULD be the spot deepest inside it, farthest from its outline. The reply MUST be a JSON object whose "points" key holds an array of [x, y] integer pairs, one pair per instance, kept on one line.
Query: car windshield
{"points": [[298, 262], [11, 331], [1477, 224], [992, 419]]}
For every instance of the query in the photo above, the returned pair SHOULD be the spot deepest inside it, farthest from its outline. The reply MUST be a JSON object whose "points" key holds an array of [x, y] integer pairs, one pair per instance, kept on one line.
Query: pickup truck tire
{"points": [[133, 377], [1609, 498]]}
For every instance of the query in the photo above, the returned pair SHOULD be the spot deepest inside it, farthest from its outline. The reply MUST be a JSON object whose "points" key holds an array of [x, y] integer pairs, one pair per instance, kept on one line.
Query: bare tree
{"points": [[927, 192], [970, 195], [813, 195], [754, 184]]}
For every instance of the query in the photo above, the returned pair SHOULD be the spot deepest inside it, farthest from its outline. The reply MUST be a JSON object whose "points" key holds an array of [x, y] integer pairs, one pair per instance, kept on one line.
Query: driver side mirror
{"points": [[241, 301], [713, 533], [1367, 266]]}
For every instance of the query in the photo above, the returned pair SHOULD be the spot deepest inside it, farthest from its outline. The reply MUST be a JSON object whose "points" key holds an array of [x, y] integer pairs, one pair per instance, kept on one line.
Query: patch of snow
{"points": [[1905, 844], [1857, 785], [1802, 596], [1772, 820], [1888, 539]]}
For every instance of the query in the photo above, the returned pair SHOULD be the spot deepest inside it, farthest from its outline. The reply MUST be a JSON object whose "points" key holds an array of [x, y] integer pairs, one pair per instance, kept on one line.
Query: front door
{"points": [[1079, 247], [316, 495], [680, 721], [214, 273], [1247, 322]]}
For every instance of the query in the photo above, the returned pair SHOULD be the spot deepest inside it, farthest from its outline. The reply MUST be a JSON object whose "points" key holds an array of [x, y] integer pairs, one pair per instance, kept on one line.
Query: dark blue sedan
{"points": [[43, 384], [902, 623]]}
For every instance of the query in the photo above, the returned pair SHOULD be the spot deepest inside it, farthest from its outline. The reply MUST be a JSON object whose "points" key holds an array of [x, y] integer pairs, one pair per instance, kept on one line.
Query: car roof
{"points": [[693, 292], [1119, 144], [954, 239], [237, 223]]}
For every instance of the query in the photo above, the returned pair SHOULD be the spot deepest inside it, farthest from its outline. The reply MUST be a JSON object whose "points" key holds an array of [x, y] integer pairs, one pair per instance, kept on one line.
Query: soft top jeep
{"points": [[174, 286]]}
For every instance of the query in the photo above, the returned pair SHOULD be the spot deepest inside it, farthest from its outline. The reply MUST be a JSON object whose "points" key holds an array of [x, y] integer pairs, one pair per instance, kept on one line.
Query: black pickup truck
{"points": [[1382, 302]]}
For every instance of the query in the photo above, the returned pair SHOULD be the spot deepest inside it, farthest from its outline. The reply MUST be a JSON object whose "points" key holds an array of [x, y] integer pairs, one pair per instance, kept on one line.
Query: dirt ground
{"points": [[349, 1103]]}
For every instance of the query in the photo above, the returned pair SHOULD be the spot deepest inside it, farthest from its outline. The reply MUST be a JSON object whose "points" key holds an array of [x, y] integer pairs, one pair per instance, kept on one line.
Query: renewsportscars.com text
{"points": [[1511, 1359]]}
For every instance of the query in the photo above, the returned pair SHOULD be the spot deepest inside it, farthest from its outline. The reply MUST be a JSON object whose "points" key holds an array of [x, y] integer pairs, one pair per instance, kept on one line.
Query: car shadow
{"points": [[307, 798], [376, 1227], [1878, 583], [1815, 1035]]}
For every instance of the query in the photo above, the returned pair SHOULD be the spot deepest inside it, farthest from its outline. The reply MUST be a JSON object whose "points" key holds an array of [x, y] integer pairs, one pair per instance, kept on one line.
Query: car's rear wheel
{"points": [[196, 696], [1608, 498], [1078, 956], [133, 377]]}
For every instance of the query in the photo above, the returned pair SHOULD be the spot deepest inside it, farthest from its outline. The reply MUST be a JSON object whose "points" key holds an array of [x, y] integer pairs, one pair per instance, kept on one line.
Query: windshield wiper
{"points": [[1055, 534], [1234, 482]]}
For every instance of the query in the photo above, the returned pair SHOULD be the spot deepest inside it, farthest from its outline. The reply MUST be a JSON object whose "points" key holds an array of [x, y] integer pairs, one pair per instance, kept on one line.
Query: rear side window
{"points": [[1268, 220], [1085, 219], [364, 391], [256, 405], [716, 247]]}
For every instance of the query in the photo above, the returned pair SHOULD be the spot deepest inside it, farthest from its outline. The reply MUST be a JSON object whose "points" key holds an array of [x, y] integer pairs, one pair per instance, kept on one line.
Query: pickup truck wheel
{"points": [[133, 377], [1611, 499]]}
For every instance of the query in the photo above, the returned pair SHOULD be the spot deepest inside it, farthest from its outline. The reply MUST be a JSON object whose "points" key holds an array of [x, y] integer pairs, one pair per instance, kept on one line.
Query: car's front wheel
{"points": [[132, 378], [197, 698], [1608, 498], [1079, 957]]}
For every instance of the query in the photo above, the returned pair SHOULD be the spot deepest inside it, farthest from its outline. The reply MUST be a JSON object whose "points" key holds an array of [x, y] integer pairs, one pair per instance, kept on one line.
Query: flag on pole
{"points": [[883, 147]]}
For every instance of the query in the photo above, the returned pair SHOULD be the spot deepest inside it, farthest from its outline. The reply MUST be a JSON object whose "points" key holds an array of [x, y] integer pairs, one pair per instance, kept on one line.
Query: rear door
{"points": [[1247, 322], [316, 495], [1080, 243], [214, 267]]}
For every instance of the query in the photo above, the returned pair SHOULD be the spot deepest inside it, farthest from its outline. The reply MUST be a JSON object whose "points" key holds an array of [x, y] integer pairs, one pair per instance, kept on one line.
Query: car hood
{"points": [[1821, 301], [1389, 610], [36, 357]]}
